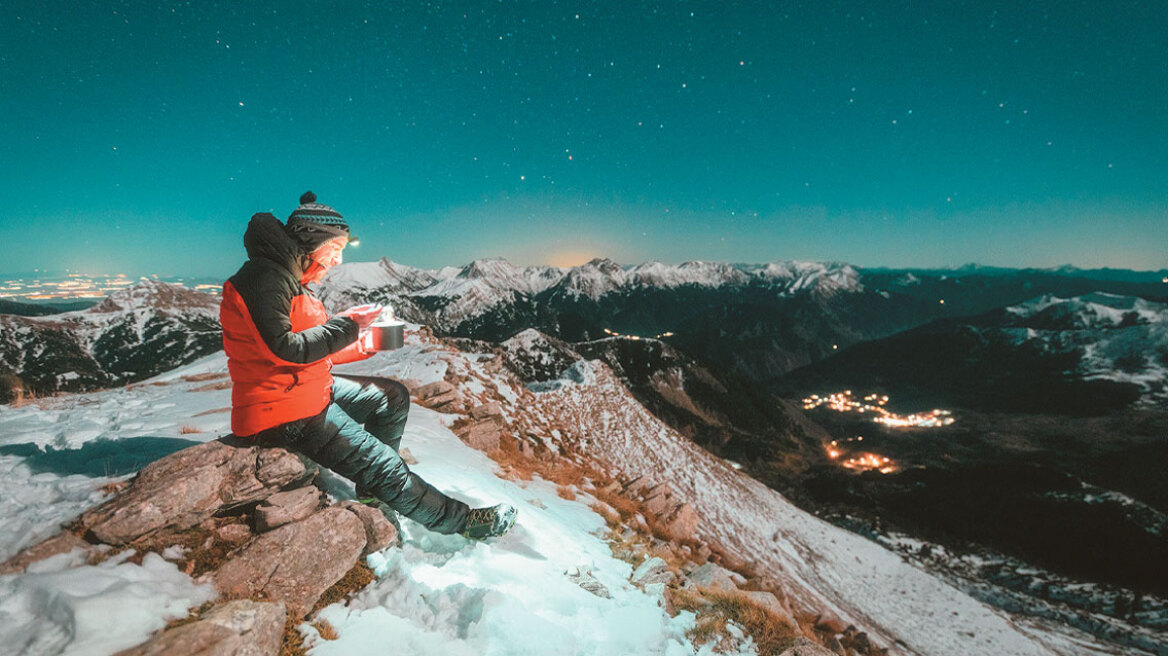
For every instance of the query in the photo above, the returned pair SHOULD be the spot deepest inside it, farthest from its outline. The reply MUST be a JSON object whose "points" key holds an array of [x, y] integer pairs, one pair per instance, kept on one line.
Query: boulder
{"points": [[188, 486], [297, 562], [431, 390], [653, 570], [492, 411], [658, 505], [439, 395], [712, 576], [636, 486], [236, 628], [286, 507], [482, 435], [379, 531], [58, 544], [769, 601], [681, 524]]}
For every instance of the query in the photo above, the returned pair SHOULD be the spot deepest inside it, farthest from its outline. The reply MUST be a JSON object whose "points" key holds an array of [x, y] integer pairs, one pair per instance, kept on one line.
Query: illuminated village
{"points": [[873, 404], [77, 286], [613, 333]]}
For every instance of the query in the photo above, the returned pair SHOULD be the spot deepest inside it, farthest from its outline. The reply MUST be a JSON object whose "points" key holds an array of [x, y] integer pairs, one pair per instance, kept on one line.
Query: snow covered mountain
{"points": [[133, 334], [1117, 338], [522, 594], [759, 320], [1082, 355], [447, 300]]}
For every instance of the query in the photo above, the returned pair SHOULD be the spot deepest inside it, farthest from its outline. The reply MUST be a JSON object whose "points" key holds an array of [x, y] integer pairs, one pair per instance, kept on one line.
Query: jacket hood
{"points": [[265, 238]]}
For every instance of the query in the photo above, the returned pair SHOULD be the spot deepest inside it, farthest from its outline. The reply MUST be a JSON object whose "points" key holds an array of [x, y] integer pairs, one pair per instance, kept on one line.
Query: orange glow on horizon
{"points": [[570, 258]]}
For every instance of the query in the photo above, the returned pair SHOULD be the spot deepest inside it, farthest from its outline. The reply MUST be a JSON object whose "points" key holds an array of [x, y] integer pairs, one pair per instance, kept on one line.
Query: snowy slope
{"points": [[821, 565], [437, 595], [441, 594]]}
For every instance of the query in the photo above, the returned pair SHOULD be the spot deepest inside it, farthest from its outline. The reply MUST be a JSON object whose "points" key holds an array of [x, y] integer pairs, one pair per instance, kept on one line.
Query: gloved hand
{"points": [[364, 315]]}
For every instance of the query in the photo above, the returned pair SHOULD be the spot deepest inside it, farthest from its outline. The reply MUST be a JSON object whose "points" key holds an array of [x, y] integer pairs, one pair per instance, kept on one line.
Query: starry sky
{"points": [[139, 137]]}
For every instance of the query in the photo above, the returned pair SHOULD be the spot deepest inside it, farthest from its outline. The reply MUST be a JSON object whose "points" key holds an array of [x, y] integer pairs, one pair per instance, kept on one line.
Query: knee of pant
{"points": [[397, 397], [389, 476]]}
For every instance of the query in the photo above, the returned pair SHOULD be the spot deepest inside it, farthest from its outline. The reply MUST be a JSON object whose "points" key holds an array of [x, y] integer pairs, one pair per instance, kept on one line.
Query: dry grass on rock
{"points": [[715, 609]]}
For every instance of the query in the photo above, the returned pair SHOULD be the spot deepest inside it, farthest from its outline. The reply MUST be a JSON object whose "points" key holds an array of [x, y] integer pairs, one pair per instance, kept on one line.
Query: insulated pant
{"points": [[367, 454]]}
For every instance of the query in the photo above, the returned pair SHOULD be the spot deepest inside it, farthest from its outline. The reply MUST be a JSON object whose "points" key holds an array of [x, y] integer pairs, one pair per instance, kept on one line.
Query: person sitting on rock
{"points": [[281, 346]]}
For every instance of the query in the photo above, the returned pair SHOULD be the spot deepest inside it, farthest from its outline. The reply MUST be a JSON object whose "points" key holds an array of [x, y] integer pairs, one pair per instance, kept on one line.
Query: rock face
{"points": [[681, 522], [296, 562], [379, 533], [286, 507], [439, 395], [483, 435], [653, 570], [186, 487], [237, 628], [488, 411], [678, 520], [769, 601], [713, 576]]}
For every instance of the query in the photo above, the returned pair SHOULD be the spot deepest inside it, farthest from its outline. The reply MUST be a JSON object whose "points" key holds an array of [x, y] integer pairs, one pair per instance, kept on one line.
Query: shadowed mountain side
{"points": [[728, 416], [955, 365]]}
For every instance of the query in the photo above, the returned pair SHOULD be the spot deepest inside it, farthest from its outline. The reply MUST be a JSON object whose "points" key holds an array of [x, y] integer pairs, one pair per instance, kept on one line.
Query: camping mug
{"points": [[387, 335]]}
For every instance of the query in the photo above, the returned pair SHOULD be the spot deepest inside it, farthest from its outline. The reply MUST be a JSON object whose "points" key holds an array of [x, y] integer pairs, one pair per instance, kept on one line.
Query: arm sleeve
{"points": [[271, 307], [351, 353]]}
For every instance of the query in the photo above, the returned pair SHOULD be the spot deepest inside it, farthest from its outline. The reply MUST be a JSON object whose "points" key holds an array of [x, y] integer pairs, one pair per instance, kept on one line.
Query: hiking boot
{"points": [[483, 523]]}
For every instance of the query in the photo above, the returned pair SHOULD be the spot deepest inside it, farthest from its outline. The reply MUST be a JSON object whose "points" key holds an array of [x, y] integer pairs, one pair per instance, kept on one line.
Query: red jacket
{"points": [[280, 343]]}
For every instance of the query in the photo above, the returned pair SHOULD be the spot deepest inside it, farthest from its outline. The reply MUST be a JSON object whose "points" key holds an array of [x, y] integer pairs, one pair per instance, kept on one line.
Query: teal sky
{"points": [[139, 137]]}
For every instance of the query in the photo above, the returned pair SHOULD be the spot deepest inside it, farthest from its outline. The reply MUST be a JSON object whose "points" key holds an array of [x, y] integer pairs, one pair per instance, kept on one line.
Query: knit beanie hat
{"points": [[313, 223]]}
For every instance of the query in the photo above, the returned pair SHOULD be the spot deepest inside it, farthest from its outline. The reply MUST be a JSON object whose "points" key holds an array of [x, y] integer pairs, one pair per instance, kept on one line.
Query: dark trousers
{"points": [[357, 436]]}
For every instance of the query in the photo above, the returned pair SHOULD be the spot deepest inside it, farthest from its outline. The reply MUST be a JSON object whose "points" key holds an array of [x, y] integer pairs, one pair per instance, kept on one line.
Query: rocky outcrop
{"points": [[439, 395], [187, 487], [379, 532], [493, 411], [297, 562], [653, 570], [205, 499], [286, 507], [712, 575], [678, 520], [236, 628], [483, 435]]}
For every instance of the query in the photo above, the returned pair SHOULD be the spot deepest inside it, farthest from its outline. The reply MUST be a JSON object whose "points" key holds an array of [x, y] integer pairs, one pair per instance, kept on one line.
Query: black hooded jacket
{"points": [[268, 282]]}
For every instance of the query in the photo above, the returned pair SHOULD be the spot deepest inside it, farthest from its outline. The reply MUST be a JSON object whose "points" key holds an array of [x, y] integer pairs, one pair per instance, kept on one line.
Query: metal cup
{"points": [[387, 336]]}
